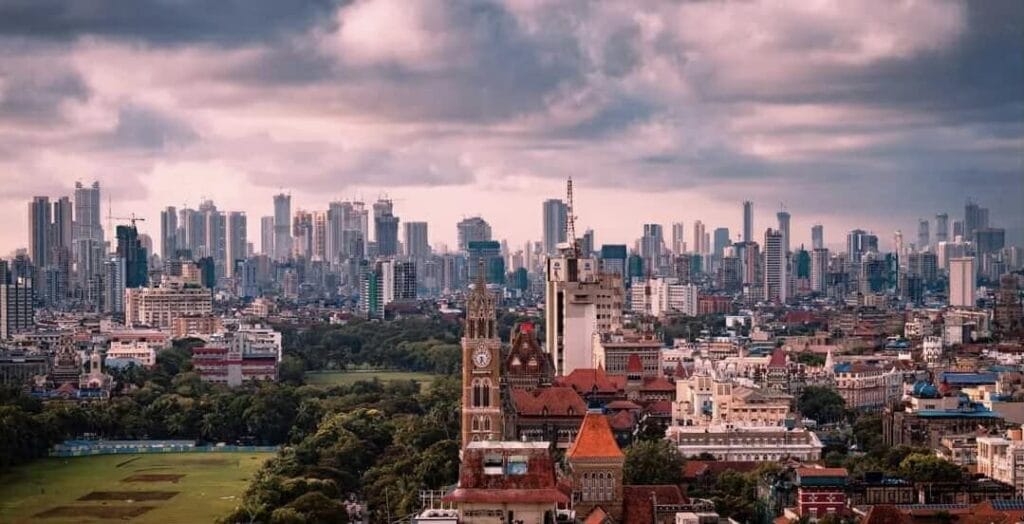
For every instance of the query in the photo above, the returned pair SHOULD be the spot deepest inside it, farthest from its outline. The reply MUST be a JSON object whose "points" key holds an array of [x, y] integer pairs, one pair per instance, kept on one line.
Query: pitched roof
{"points": [[822, 472], [885, 514], [616, 405], [657, 384], [681, 371], [778, 359], [694, 468], [596, 516], [638, 501], [621, 420], [522, 496], [587, 380], [633, 364], [558, 400], [595, 439]]}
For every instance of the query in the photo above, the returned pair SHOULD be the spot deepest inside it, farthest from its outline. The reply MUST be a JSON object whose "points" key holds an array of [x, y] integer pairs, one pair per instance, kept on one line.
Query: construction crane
{"points": [[133, 219]]}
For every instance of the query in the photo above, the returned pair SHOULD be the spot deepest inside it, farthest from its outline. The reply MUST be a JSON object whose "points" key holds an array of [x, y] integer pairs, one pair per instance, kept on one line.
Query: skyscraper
{"points": [[775, 277], [975, 218], [651, 246], [267, 236], [385, 228], [417, 245], [748, 221], [89, 248], [923, 238], [61, 234], [168, 232], [678, 239], [39, 219], [941, 228], [819, 269], [282, 226], [961, 282], [817, 236], [130, 249], [783, 217], [237, 238], [472, 229], [721, 240], [555, 223], [699, 246]]}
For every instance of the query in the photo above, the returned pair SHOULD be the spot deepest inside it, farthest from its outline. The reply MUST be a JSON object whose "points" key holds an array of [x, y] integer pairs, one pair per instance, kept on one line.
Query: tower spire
{"points": [[570, 222]]}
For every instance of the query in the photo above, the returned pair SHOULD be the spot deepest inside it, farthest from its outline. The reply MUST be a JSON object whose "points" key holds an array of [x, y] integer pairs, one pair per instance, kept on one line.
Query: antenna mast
{"points": [[570, 222]]}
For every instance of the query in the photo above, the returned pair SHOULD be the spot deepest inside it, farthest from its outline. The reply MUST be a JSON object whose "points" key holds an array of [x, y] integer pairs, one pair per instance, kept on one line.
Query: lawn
{"points": [[147, 488], [339, 378]]}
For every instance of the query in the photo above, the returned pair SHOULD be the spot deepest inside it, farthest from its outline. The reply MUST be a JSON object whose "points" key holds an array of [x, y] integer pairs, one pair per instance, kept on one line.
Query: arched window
{"points": [[485, 424], [476, 424], [485, 393]]}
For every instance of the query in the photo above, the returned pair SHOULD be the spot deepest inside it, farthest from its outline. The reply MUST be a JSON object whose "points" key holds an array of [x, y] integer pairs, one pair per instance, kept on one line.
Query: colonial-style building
{"points": [[527, 366], [596, 464], [482, 417]]}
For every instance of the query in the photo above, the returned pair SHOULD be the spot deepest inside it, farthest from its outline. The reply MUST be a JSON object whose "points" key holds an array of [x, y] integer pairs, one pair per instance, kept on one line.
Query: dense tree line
{"points": [[411, 344], [378, 443]]}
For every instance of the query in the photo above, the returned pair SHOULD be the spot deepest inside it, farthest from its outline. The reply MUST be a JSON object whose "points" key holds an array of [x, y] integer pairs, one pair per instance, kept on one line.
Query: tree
{"points": [[653, 462], [920, 467], [823, 404]]}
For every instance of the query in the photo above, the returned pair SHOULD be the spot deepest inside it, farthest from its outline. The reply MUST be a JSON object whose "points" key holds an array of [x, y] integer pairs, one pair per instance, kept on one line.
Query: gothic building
{"points": [[481, 369]]}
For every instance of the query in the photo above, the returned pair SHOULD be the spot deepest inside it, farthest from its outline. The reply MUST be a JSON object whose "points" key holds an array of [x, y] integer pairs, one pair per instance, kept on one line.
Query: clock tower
{"points": [[482, 417]]}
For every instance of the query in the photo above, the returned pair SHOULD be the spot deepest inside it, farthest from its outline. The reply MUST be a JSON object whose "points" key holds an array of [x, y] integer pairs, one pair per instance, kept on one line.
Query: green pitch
{"points": [[148, 488], [342, 378]]}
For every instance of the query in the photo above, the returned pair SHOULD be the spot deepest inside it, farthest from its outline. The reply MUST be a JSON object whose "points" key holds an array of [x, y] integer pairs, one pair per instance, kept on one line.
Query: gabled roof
{"points": [[587, 380], [622, 420], [557, 400], [633, 364], [638, 501], [681, 371], [778, 359], [596, 516], [595, 439], [657, 384]]}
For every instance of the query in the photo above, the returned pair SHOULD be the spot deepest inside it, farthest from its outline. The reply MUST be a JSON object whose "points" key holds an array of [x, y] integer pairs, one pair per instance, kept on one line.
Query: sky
{"points": [[865, 114]]}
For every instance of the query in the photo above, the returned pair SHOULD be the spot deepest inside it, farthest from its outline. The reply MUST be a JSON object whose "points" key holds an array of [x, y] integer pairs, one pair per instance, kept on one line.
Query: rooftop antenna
{"points": [[570, 223]]}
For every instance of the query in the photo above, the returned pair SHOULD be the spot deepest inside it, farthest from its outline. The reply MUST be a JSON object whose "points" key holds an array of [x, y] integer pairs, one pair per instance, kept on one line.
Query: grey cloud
{"points": [[227, 22], [148, 129], [36, 96]]}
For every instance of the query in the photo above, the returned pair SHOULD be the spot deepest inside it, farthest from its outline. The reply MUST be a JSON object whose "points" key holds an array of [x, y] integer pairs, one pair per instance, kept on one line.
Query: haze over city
{"points": [[869, 115]]}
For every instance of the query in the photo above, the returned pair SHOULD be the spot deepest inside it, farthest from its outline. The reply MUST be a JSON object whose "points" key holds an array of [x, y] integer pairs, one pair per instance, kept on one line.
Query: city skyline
{"points": [[908, 108]]}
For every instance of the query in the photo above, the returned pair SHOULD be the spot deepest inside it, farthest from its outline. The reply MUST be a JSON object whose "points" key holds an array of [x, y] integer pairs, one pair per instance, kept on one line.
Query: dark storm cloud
{"points": [[148, 129], [163, 22]]}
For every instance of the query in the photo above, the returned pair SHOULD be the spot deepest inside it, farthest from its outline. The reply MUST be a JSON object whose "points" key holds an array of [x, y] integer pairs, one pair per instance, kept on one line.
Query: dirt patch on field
{"points": [[129, 461], [129, 495], [154, 477], [100, 512], [200, 462]]}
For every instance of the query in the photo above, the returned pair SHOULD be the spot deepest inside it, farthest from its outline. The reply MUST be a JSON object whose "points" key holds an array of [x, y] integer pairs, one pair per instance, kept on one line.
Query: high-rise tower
{"points": [[748, 221]]}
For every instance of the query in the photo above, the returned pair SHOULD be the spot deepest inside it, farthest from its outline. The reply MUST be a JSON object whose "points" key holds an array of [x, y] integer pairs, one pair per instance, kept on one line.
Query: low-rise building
{"points": [[223, 364], [929, 416], [866, 386], [141, 345], [761, 444], [1002, 459]]}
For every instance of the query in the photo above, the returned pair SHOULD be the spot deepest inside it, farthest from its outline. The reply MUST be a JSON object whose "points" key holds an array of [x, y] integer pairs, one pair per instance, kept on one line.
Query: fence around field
{"points": [[81, 448]]}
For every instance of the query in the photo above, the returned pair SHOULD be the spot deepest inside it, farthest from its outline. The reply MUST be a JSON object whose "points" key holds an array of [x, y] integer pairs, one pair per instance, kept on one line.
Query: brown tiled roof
{"points": [[661, 406], [558, 400], [778, 359], [621, 420], [694, 468], [621, 404], [885, 514], [638, 501], [521, 496], [657, 384], [822, 472], [587, 380], [596, 516], [595, 439]]}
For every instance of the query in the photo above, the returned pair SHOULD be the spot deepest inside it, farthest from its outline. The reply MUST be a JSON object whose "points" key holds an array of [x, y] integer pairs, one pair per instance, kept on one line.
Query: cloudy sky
{"points": [[853, 114]]}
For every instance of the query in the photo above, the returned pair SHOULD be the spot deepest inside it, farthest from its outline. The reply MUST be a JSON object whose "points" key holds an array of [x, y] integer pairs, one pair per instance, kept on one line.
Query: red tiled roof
{"points": [[657, 384], [520, 496], [559, 400], [694, 468], [638, 501], [885, 514], [587, 380], [681, 371], [661, 406], [621, 420], [595, 439], [621, 404], [778, 359], [822, 472], [633, 364], [596, 516]]}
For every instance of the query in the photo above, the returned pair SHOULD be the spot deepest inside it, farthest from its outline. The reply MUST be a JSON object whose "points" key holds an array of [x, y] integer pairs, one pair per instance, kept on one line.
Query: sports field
{"points": [[149, 488], [340, 378]]}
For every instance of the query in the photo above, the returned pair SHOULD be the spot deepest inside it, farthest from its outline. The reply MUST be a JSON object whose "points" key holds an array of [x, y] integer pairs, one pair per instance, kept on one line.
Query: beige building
{"points": [[141, 345], [612, 351], [158, 307], [1002, 458], [702, 400], [746, 444], [867, 386]]}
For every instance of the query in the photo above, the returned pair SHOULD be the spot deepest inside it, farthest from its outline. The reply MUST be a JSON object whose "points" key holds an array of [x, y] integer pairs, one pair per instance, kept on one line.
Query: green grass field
{"points": [[341, 378], [175, 487]]}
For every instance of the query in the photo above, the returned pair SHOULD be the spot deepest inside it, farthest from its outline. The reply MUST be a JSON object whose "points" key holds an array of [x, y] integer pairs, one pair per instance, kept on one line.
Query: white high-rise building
{"points": [[819, 270], [282, 226], [571, 311], [267, 236], [961, 282], [678, 239], [555, 220], [775, 274], [89, 247]]}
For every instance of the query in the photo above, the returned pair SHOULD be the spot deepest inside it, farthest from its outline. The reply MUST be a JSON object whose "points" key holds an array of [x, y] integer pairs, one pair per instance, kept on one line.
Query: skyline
{"points": [[854, 116]]}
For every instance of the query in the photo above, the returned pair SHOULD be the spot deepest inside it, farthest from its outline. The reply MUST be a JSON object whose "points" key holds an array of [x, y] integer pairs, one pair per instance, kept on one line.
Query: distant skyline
{"points": [[868, 114]]}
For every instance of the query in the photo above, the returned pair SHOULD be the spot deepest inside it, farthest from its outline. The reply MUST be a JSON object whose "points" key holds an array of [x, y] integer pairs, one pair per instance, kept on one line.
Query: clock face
{"points": [[481, 357]]}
